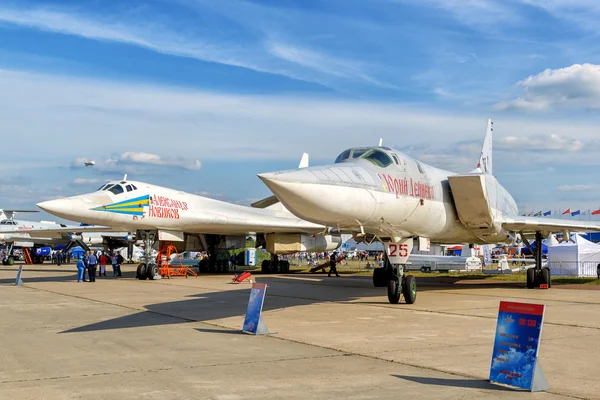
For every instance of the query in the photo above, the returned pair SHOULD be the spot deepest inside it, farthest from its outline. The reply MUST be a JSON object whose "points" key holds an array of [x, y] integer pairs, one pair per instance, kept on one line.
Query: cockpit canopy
{"points": [[379, 156], [8, 222], [118, 187]]}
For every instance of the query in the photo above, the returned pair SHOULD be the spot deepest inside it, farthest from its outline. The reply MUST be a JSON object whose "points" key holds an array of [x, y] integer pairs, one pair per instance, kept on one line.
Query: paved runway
{"points": [[334, 338]]}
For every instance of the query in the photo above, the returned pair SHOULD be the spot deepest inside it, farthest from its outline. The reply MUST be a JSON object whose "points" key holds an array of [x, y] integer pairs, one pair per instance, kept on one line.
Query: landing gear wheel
{"points": [[380, 277], [546, 276], [141, 272], [530, 278], [151, 271], [11, 260], [409, 289], [4, 262], [393, 291]]}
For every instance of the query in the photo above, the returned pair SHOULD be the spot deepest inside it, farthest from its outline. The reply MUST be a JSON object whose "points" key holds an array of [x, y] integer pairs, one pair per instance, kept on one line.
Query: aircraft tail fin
{"points": [[485, 159], [304, 161]]}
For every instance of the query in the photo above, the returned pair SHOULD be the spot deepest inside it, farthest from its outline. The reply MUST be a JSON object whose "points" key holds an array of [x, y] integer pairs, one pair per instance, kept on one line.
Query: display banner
{"points": [[515, 358], [253, 323]]}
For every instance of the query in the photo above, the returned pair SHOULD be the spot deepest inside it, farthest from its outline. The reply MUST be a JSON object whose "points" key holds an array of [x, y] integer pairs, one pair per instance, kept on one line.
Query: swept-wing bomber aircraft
{"points": [[381, 193]]}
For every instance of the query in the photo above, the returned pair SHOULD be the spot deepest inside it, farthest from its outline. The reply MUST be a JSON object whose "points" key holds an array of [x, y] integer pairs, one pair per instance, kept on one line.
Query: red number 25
{"points": [[400, 250]]}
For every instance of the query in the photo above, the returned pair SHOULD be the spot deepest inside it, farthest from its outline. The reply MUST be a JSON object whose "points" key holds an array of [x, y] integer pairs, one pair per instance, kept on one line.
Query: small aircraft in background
{"points": [[90, 163]]}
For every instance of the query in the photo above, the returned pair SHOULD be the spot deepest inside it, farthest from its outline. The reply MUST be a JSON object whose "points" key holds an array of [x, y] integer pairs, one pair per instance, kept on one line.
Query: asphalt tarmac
{"points": [[332, 338]]}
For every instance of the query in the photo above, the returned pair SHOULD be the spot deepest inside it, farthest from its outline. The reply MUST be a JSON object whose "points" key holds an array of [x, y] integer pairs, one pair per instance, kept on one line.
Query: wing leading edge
{"points": [[529, 225]]}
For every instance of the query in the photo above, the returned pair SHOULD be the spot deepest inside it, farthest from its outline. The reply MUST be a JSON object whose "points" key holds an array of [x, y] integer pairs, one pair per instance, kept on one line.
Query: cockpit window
{"points": [[358, 152], [419, 167], [103, 187], [129, 188], [344, 156], [8, 222], [116, 189], [133, 186], [395, 157], [378, 158], [108, 187]]}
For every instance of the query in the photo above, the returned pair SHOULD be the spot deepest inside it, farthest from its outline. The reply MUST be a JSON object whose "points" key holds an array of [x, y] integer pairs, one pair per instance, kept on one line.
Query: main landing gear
{"points": [[398, 284], [538, 275], [148, 269]]}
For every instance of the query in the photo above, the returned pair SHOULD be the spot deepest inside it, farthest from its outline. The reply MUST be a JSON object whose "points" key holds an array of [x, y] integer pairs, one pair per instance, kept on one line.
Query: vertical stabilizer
{"points": [[485, 159], [304, 161]]}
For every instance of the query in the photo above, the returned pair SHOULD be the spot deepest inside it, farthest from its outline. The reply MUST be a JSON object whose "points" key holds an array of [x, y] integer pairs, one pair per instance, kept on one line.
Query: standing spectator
{"points": [[332, 264], [120, 260], [103, 260], [114, 263], [80, 271], [92, 263], [69, 258], [59, 258]]}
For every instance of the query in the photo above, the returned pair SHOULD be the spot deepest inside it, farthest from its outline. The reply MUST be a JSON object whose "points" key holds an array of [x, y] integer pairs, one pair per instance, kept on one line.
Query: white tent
{"points": [[136, 254], [579, 257]]}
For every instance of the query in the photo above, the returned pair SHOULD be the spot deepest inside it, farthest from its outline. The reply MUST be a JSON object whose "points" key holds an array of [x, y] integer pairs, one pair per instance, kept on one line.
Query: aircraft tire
{"points": [[151, 271], [10, 261], [409, 289], [531, 278], [4, 262], [380, 277], [393, 291], [546, 276], [141, 272]]}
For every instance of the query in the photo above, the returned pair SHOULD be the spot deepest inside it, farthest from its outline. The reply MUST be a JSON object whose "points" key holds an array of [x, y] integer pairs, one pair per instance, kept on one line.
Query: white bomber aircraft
{"points": [[190, 222], [378, 192]]}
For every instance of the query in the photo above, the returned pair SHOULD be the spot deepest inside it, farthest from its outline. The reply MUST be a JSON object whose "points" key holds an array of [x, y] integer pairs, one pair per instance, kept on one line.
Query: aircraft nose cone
{"points": [[318, 200], [58, 207]]}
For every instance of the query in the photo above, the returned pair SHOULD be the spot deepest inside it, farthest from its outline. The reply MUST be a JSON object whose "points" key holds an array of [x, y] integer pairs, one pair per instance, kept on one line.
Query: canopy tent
{"points": [[578, 257]]}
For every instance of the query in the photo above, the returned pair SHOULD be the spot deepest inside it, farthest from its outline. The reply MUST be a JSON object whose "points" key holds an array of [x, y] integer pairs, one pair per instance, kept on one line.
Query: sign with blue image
{"points": [[253, 322], [516, 345]]}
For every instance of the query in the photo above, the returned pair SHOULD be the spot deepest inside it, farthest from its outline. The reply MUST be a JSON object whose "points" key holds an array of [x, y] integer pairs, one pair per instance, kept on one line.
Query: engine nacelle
{"points": [[131, 238], [75, 237], [289, 243]]}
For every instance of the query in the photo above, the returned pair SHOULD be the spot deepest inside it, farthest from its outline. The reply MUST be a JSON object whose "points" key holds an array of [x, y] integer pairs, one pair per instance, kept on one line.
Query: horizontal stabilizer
{"points": [[266, 202]]}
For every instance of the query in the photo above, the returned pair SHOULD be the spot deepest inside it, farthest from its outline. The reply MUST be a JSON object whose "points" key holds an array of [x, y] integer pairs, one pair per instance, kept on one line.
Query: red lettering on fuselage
{"points": [[407, 187], [164, 207]]}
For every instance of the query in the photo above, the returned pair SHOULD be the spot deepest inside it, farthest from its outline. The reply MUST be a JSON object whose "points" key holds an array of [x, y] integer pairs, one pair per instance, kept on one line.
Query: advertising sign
{"points": [[516, 345], [253, 323]]}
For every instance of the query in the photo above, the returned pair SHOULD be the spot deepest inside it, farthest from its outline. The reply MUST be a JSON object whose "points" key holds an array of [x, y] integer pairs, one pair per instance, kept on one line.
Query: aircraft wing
{"points": [[58, 231], [530, 225]]}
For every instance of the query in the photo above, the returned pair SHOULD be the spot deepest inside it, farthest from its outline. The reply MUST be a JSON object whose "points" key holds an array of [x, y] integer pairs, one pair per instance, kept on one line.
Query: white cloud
{"points": [[127, 161], [480, 14], [576, 86], [261, 55], [153, 159], [87, 181], [576, 188], [546, 142], [102, 117]]}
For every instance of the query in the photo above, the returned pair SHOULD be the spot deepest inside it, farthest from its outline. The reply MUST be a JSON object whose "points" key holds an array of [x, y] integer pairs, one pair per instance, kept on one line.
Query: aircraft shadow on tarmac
{"points": [[282, 293], [458, 383]]}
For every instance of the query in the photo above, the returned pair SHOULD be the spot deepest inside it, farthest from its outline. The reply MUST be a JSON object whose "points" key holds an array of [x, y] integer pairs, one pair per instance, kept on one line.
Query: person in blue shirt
{"points": [[80, 270], [92, 263]]}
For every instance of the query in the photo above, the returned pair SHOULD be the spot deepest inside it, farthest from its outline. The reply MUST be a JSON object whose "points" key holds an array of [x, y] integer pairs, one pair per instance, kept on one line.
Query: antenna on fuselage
{"points": [[125, 177], [380, 142]]}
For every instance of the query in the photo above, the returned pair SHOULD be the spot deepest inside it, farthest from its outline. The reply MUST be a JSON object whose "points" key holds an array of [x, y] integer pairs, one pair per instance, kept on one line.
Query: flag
{"points": [[567, 211], [597, 212], [547, 213], [537, 214], [574, 213]]}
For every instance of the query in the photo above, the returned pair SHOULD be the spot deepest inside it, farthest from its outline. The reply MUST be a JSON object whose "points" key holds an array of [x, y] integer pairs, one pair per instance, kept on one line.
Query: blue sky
{"points": [[203, 95]]}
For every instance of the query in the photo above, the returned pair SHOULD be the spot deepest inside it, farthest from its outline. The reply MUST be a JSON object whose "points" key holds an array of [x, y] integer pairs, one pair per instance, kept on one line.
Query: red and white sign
{"points": [[399, 252]]}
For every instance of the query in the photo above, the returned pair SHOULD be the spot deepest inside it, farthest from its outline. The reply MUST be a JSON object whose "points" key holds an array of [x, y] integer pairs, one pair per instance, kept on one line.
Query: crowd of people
{"points": [[96, 262]]}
